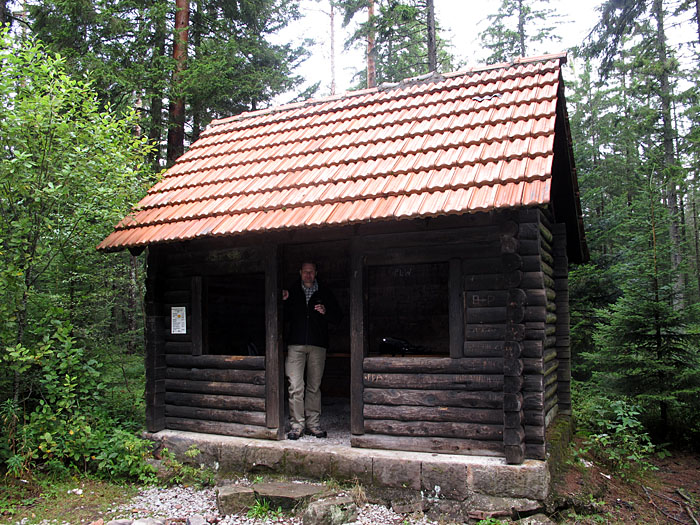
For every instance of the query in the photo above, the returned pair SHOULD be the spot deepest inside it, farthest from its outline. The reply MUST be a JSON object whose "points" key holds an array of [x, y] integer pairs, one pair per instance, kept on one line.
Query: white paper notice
{"points": [[178, 320]]}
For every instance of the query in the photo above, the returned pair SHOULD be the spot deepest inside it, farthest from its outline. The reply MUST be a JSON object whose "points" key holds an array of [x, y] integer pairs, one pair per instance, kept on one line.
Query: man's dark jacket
{"points": [[305, 326]]}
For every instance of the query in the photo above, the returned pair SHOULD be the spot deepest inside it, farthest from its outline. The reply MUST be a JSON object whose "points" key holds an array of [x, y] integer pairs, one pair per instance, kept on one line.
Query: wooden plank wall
{"points": [[444, 404], [186, 388]]}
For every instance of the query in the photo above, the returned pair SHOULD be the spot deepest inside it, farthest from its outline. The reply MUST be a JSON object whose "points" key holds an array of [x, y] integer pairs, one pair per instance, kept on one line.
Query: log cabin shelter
{"points": [[443, 212]]}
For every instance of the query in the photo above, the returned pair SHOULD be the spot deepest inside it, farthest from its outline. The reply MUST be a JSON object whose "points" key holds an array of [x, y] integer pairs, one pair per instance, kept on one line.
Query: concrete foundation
{"points": [[467, 487]]}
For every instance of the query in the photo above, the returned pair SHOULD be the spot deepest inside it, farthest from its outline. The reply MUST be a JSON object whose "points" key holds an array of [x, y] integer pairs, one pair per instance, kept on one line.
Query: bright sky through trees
{"points": [[461, 21]]}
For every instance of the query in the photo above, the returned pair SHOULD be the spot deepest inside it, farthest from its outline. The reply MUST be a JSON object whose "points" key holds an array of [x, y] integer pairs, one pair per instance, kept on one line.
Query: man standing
{"points": [[308, 308]]}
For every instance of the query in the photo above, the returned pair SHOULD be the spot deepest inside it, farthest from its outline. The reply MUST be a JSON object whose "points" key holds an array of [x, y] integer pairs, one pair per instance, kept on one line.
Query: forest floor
{"points": [[584, 494], [587, 494]]}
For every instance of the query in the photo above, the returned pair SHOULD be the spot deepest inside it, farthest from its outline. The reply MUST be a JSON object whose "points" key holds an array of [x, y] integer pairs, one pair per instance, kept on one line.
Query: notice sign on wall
{"points": [[178, 320]]}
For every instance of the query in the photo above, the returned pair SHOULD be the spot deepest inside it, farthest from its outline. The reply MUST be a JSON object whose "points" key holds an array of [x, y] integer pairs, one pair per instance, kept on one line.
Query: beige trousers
{"points": [[305, 397]]}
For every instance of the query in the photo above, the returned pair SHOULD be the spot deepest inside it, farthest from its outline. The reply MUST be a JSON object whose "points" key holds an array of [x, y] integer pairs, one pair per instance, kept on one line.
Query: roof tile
{"points": [[461, 143]]}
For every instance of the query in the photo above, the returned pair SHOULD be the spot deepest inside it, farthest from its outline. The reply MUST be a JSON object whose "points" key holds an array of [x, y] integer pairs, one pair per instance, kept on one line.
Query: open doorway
{"points": [[332, 264]]}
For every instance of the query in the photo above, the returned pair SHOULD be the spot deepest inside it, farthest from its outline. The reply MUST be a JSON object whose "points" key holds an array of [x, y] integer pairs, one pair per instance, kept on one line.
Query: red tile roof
{"points": [[450, 144]]}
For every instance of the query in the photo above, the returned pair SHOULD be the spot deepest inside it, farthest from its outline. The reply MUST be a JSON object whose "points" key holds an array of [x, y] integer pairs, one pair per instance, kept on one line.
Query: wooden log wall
{"points": [[216, 394], [437, 404], [563, 338], [188, 389], [541, 365]]}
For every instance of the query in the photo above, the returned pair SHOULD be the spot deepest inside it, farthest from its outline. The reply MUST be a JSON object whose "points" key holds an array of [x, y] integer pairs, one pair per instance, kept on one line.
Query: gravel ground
{"points": [[176, 504]]}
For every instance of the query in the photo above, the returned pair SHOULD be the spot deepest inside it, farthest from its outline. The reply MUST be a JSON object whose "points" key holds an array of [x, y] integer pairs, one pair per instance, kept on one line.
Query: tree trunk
{"points": [[521, 27], [371, 66], [332, 16], [432, 47], [176, 126], [669, 153], [155, 131]]}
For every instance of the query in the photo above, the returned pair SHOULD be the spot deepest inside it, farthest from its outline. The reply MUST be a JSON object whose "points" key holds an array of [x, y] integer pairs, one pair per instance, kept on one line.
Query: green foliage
{"points": [[515, 27], [69, 170], [400, 45], [261, 510], [188, 472], [613, 432]]}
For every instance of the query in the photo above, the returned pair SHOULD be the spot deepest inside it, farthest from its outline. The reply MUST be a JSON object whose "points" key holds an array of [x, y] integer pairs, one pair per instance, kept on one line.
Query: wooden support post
{"points": [[155, 355], [274, 356], [357, 336], [196, 320], [456, 309]]}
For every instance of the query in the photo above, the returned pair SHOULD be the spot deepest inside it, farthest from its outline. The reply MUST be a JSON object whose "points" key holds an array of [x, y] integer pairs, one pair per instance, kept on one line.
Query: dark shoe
{"points": [[316, 432], [294, 434]]}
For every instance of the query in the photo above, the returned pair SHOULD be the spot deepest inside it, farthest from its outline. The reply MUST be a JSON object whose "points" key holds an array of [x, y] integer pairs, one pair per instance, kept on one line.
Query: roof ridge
{"points": [[411, 81]]}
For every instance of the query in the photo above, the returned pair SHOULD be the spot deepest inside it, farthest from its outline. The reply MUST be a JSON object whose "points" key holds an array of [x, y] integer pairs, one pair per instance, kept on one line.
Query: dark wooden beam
{"points": [[274, 356], [357, 336]]}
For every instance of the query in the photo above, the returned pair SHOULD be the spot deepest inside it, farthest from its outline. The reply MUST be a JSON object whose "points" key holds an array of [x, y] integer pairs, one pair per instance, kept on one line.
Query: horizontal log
{"points": [[533, 417], [432, 365], [547, 258], [220, 362], [530, 246], [535, 314], [429, 444], [483, 348], [535, 451], [433, 414], [549, 354], [433, 398], [534, 433], [479, 431], [507, 262], [476, 234], [494, 332], [429, 253], [532, 349], [213, 387], [532, 263], [533, 365], [491, 281], [255, 377], [551, 415], [220, 427], [486, 382], [486, 298], [210, 414], [214, 401], [486, 315], [533, 401]]}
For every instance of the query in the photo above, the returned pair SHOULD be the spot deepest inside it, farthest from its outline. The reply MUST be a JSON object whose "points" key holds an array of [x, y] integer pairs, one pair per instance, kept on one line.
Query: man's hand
{"points": [[320, 309]]}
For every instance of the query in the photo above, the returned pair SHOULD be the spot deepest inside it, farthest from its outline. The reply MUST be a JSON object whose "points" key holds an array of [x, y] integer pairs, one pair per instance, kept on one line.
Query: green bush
{"points": [[613, 432], [66, 430]]}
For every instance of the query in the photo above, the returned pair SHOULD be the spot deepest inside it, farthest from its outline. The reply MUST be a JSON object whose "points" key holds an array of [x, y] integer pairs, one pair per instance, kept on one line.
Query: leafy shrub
{"points": [[186, 473], [613, 432], [66, 431]]}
